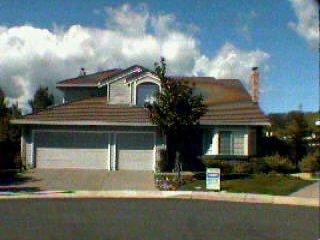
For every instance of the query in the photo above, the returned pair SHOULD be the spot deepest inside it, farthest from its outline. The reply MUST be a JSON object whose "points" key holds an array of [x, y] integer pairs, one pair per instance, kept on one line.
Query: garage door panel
{"points": [[77, 140], [71, 150], [135, 151]]}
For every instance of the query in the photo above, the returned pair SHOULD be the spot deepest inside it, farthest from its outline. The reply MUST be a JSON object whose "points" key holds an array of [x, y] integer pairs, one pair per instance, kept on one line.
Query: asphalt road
{"points": [[154, 219]]}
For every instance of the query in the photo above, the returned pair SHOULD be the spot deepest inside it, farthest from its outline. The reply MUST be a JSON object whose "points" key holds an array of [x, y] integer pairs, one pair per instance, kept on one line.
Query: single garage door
{"points": [[135, 151], [71, 150]]}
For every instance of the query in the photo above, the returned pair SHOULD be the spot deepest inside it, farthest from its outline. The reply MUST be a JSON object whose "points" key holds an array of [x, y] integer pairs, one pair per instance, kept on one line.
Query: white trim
{"points": [[61, 85], [79, 123], [109, 152], [136, 83], [154, 78], [114, 160], [33, 157], [154, 151], [134, 93], [134, 124], [70, 130], [111, 80]]}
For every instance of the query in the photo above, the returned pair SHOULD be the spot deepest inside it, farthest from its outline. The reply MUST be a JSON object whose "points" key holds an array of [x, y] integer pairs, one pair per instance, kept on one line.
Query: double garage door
{"points": [[94, 150]]}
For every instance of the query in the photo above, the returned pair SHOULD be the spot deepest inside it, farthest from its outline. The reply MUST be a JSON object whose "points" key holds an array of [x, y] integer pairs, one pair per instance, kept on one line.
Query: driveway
{"points": [[76, 179]]}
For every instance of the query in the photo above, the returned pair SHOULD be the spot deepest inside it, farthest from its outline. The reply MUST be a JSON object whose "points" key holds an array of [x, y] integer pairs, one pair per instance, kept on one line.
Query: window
{"points": [[231, 143], [146, 93]]}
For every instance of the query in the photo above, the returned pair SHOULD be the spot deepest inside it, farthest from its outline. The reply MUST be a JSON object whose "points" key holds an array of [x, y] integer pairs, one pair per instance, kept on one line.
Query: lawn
{"points": [[263, 184]]}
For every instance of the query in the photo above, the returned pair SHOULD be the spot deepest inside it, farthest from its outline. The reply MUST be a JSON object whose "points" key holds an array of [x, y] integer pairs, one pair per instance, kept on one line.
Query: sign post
{"points": [[213, 179]]}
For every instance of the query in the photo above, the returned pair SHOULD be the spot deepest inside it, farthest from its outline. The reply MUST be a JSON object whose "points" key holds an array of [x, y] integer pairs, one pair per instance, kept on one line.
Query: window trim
{"points": [[232, 150], [144, 83]]}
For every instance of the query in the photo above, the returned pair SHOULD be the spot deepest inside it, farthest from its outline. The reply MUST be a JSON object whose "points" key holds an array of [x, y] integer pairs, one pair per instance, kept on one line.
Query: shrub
{"points": [[279, 164], [242, 168], [310, 163], [259, 165], [226, 168], [162, 163]]}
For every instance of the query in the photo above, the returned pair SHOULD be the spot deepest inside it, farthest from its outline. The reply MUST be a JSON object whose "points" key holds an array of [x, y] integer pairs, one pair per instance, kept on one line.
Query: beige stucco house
{"points": [[102, 123]]}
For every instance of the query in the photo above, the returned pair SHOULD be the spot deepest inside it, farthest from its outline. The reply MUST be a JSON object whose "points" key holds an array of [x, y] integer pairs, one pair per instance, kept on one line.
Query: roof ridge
{"points": [[90, 75]]}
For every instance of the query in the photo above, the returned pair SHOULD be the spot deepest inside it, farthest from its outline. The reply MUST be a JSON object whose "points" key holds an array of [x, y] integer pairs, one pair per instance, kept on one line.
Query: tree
{"points": [[176, 111], [297, 131], [4, 116], [41, 99], [9, 134], [14, 133]]}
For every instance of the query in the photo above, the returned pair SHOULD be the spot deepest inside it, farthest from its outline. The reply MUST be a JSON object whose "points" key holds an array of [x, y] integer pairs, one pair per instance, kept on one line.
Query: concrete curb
{"points": [[210, 196]]}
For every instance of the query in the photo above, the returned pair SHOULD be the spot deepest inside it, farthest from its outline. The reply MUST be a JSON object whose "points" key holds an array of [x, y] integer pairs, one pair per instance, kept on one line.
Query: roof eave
{"points": [[76, 85], [105, 123], [76, 123]]}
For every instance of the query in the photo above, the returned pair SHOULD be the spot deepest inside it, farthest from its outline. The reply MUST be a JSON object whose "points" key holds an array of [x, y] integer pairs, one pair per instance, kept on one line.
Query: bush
{"points": [[162, 163], [242, 168], [279, 164], [226, 168], [310, 163], [259, 165]]}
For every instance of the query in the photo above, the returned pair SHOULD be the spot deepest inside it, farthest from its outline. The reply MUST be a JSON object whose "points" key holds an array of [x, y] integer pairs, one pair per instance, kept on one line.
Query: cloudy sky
{"points": [[42, 42]]}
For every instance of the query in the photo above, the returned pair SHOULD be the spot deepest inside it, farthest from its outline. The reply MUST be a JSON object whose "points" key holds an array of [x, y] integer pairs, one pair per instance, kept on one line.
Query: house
{"points": [[102, 123]]}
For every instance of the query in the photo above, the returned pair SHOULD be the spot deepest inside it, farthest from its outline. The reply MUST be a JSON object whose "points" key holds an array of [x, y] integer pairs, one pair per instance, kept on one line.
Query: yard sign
{"points": [[213, 179]]}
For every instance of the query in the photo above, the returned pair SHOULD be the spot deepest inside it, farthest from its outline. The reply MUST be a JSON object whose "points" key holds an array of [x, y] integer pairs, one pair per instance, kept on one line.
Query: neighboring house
{"points": [[102, 123]]}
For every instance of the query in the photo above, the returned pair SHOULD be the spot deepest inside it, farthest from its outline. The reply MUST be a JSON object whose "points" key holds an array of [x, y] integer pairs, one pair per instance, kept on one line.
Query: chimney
{"points": [[82, 72], [255, 84]]}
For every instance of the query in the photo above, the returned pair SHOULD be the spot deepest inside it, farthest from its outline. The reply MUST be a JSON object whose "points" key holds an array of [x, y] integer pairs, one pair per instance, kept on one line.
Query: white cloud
{"points": [[32, 56], [308, 21], [126, 20], [231, 62]]}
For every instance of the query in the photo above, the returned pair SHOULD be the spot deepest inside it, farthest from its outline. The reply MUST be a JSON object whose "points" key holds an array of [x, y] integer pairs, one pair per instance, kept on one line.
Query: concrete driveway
{"points": [[76, 179]]}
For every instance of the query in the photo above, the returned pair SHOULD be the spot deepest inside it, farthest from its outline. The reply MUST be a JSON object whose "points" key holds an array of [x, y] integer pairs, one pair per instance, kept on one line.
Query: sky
{"points": [[43, 42]]}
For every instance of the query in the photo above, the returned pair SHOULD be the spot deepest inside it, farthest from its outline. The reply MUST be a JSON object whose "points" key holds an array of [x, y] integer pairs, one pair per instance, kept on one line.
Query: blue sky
{"points": [[272, 34]]}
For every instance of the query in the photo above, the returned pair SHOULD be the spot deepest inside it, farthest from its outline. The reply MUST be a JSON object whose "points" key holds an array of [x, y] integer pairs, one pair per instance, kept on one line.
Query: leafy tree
{"points": [[4, 117], [41, 99], [14, 132], [9, 134], [176, 111], [297, 130]]}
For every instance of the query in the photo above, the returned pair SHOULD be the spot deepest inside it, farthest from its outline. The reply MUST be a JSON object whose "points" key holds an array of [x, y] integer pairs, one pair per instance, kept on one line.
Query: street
{"points": [[154, 219]]}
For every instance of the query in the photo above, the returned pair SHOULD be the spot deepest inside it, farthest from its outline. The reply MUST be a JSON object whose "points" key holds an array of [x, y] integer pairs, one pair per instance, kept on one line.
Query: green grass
{"points": [[263, 184]]}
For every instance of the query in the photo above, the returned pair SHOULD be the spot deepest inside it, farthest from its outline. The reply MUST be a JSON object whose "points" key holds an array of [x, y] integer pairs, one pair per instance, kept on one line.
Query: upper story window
{"points": [[146, 93]]}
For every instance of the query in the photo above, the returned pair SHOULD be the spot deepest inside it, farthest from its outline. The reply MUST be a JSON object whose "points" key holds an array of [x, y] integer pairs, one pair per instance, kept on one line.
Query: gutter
{"points": [[105, 123], [77, 123]]}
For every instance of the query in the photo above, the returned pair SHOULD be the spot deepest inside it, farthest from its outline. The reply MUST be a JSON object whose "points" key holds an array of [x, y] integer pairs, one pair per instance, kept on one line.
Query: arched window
{"points": [[146, 93]]}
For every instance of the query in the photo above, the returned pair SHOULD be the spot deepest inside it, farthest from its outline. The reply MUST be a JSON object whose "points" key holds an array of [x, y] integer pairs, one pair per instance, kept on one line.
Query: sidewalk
{"points": [[186, 195], [311, 191]]}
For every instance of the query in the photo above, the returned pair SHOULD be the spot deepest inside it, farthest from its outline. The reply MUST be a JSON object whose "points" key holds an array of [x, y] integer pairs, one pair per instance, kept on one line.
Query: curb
{"points": [[209, 196]]}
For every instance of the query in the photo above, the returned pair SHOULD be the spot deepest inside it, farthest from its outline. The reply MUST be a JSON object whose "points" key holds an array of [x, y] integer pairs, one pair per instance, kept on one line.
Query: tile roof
{"points": [[227, 99], [89, 79], [98, 111]]}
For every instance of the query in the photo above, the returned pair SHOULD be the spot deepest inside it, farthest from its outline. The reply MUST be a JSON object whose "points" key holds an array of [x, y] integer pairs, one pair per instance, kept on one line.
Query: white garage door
{"points": [[71, 150], [135, 151]]}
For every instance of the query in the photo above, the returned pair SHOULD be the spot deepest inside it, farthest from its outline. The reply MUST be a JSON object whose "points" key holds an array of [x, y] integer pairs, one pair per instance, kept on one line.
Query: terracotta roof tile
{"points": [[90, 79], [97, 109]]}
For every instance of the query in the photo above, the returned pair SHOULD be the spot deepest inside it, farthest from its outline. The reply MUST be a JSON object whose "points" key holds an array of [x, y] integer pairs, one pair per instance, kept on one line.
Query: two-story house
{"points": [[102, 123]]}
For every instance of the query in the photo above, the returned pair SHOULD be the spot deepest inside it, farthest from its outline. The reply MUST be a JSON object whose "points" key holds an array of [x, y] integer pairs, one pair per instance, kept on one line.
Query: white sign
{"points": [[213, 179]]}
